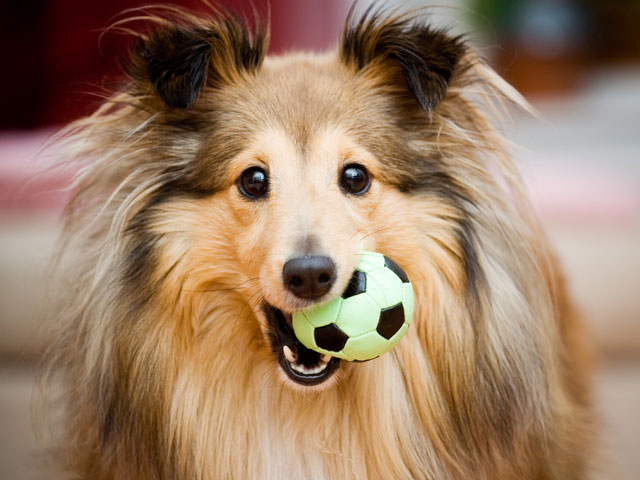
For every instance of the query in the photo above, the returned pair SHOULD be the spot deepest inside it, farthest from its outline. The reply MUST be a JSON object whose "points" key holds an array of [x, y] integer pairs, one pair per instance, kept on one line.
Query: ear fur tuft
{"points": [[427, 57], [178, 60], [176, 64]]}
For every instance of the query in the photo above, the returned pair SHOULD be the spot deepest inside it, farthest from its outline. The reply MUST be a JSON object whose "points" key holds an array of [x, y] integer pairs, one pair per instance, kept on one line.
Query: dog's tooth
{"points": [[325, 358], [288, 354], [302, 369]]}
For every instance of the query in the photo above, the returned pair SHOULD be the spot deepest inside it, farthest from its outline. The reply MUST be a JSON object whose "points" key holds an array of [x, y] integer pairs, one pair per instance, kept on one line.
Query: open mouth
{"points": [[301, 365]]}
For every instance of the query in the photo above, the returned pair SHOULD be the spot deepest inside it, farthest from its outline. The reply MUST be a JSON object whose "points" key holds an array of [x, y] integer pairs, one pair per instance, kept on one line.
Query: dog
{"points": [[211, 169]]}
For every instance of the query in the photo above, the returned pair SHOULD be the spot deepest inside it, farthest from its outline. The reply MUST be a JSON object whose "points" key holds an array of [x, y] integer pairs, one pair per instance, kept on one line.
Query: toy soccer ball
{"points": [[369, 318]]}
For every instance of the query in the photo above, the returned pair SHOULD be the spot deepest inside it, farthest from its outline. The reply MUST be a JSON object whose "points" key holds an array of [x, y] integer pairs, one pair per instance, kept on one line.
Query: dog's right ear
{"points": [[426, 58], [179, 60]]}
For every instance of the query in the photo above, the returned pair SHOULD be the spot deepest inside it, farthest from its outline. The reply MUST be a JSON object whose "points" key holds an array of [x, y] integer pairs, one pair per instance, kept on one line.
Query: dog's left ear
{"points": [[426, 57], [179, 60]]}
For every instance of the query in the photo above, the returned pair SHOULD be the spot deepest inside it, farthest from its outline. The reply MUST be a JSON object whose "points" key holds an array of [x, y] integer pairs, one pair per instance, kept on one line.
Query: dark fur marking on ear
{"points": [[427, 56], [177, 63], [178, 60]]}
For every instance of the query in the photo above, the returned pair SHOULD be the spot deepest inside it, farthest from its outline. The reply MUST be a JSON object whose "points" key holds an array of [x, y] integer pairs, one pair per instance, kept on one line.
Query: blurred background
{"points": [[578, 62]]}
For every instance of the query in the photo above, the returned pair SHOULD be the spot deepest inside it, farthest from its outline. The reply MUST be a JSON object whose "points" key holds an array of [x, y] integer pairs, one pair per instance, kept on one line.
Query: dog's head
{"points": [[244, 188], [266, 177]]}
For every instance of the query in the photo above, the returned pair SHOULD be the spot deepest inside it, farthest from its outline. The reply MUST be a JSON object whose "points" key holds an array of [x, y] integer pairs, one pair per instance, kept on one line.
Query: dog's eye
{"points": [[253, 183], [355, 179]]}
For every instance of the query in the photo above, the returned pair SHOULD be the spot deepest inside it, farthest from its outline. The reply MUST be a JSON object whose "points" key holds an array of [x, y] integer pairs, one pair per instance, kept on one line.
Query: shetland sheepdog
{"points": [[211, 168]]}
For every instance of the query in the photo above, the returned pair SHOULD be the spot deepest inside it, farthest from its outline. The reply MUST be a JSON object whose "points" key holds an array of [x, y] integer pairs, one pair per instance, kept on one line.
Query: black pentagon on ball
{"points": [[395, 268], [391, 319], [330, 338], [357, 284]]}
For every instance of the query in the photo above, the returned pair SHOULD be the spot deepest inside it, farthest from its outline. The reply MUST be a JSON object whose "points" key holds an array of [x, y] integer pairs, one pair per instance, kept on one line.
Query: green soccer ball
{"points": [[370, 317]]}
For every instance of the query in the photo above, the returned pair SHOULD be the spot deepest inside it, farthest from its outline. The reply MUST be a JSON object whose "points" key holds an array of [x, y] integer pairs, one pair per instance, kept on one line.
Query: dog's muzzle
{"points": [[301, 365]]}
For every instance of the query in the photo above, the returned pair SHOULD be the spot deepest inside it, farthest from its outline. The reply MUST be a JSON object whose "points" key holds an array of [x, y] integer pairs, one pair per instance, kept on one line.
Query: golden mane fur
{"points": [[163, 352]]}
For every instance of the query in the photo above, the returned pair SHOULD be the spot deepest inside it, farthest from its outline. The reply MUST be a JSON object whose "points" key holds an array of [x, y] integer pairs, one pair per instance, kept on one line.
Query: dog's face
{"points": [[292, 167], [303, 214]]}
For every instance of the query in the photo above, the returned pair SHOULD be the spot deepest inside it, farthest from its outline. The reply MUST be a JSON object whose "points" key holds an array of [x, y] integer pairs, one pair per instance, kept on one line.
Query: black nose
{"points": [[309, 277]]}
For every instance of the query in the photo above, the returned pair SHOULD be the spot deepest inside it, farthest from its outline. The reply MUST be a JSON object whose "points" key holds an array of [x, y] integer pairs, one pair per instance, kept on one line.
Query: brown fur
{"points": [[163, 348]]}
